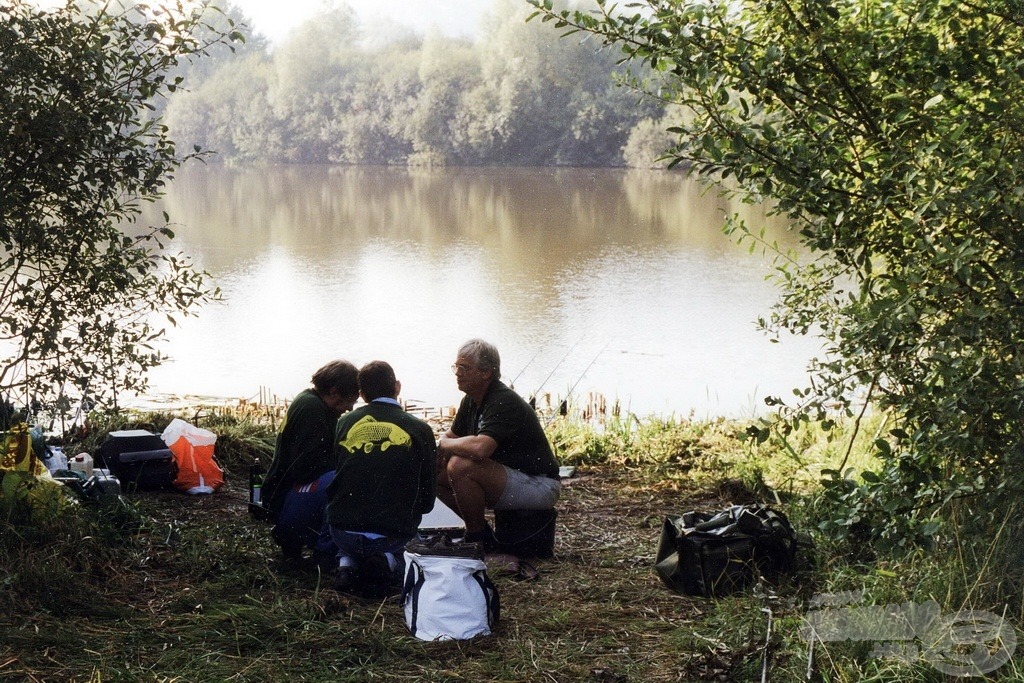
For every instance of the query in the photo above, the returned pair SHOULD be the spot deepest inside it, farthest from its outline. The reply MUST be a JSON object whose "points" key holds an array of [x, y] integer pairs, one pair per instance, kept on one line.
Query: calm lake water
{"points": [[609, 281]]}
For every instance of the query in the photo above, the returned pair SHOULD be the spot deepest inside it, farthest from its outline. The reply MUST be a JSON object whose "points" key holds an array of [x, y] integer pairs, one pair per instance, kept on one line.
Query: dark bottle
{"points": [[256, 475]]}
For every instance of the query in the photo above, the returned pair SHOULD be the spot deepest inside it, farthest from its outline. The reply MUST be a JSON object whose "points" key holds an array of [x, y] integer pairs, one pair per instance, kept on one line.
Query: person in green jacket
{"points": [[385, 483], [295, 489]]}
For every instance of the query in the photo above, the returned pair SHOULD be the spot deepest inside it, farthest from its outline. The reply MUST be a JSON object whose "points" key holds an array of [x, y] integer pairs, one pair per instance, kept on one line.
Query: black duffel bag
{"points": [[717, 553]]}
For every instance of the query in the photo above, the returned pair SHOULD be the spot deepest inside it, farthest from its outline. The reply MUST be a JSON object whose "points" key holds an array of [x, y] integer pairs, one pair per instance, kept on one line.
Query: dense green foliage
{"points": [[891, 134], [331, 93], [82, 294]]}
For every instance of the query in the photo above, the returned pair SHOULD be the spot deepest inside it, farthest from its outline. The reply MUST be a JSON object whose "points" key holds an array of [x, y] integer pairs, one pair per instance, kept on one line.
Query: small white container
{"points": [[57, 460], [81, 463]]}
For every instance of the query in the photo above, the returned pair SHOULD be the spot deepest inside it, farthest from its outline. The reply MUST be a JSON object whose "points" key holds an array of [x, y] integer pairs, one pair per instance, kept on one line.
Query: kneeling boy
{"points": [[385, 483]]}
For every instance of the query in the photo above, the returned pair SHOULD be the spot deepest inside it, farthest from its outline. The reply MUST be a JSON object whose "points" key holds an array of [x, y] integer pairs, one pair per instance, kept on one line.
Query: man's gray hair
{"points": [[484, 354]]}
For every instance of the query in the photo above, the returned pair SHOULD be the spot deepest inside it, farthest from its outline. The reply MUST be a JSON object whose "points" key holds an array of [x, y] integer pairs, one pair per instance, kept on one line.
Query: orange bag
{"points": [[192, 447]]}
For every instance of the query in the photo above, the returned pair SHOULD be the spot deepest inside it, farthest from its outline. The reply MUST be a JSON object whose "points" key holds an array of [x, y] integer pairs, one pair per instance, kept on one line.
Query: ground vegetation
{"points": [[165, 586]]}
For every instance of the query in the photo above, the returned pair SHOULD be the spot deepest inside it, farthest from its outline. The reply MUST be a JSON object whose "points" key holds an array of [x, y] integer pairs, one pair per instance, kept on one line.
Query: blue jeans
{"points": [[359, 547], [303, 522]]}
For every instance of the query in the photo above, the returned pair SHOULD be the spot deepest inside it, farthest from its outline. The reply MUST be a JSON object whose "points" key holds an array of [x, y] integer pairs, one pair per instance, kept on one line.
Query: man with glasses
{"points": [[495, 454]]}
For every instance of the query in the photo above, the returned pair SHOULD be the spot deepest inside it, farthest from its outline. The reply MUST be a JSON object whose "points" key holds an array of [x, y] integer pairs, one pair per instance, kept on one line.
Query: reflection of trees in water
{"points": [[529, 229], [296, 205], [678, 207], [534, 257]]}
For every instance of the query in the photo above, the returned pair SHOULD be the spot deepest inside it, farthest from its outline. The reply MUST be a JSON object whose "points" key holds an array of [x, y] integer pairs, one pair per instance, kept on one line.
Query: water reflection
{"points": [[628, 270]]}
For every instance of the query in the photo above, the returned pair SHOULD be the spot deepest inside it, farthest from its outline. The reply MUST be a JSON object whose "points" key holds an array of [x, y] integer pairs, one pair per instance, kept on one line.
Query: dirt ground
{"points": [[599, 593]]}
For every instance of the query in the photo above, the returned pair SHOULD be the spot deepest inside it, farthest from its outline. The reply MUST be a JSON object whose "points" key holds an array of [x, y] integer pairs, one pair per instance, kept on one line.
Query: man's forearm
{"points": [[479, 447]]}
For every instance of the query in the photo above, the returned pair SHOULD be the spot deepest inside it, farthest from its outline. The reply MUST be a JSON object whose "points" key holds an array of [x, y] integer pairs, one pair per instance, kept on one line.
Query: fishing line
{"points": [[586, 370], [528, 364], [537, 390], [563, 407]]}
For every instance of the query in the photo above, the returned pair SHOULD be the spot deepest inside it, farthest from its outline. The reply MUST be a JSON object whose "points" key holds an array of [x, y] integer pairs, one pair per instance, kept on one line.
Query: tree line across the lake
{"points": [[332, 92]]}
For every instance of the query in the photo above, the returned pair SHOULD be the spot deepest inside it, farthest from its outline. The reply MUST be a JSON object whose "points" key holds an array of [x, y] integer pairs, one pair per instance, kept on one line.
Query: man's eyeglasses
{"points": [[459, 368]]}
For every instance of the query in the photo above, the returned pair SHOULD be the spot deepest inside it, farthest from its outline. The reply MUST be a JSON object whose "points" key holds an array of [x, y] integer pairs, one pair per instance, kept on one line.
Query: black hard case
{"points": [[526, 533], [139, 459]]}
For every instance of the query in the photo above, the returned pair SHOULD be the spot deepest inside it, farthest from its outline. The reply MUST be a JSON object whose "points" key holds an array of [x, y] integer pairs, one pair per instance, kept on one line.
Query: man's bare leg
{"points": [[470, 486]]}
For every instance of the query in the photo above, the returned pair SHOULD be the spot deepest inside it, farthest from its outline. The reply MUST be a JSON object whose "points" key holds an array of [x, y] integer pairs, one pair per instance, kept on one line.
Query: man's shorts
{"points": [[523, 492]]}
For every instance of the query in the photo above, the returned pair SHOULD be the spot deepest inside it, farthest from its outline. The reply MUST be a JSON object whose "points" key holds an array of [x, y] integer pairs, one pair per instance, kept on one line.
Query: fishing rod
{"points": [[528, 364], [563, 407], [533, 397]]}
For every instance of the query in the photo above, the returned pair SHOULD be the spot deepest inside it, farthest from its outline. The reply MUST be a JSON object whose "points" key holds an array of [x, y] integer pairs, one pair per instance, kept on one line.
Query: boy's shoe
{"points": [[377, 569], [291, 553], [378, 579], [326, 563], [344, 578]]}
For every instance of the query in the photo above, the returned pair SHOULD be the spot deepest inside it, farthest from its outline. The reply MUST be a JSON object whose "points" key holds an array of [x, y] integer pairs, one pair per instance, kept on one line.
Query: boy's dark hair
{"points": [[377, 380], [339, 375]]}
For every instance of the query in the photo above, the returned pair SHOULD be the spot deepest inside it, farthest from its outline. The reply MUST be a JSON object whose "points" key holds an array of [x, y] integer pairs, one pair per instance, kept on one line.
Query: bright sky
{"points": [[274, 18]]}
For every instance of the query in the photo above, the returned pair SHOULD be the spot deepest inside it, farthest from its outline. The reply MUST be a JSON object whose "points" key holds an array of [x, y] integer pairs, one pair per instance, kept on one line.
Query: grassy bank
{"points": [[169, 587]]}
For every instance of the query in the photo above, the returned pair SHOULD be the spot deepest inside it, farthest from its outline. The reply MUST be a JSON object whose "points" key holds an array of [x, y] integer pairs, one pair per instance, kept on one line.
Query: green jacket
{"points": [[304, 450], [504, 416], [387, 472]]}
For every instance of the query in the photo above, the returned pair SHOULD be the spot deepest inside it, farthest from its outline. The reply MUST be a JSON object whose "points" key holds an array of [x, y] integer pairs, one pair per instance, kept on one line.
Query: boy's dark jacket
{"points": [[387, 471]]}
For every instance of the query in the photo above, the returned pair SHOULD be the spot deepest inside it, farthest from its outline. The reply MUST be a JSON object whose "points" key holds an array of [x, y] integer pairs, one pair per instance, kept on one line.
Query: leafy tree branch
{"points": [[83, 286], [890, 135]]}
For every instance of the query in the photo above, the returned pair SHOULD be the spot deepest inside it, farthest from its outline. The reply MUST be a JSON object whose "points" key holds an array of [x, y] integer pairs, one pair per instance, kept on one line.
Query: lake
{"points": [[617, 283]]}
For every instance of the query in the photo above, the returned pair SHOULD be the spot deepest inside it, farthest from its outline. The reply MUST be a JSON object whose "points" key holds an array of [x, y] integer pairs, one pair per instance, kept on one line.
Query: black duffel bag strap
{"points": [[490, 596], [414, 579]]}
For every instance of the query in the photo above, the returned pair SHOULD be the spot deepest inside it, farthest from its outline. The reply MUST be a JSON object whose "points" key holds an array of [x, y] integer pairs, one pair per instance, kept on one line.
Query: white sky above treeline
{"points": [[457, 18], [275, 18]]}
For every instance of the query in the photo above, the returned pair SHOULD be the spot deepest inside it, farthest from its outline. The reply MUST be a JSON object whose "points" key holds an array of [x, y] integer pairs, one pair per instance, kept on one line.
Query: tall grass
{"points": [[658, 448], [242, 435]]}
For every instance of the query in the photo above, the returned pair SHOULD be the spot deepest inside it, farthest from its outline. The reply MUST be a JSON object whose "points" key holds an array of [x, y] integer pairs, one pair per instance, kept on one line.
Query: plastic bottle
{"points": [[81, 463], [57, 460]]}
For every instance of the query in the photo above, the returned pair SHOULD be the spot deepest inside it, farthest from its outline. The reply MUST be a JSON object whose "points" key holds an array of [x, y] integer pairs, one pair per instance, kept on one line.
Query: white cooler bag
{"points": [[448, 596]]}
